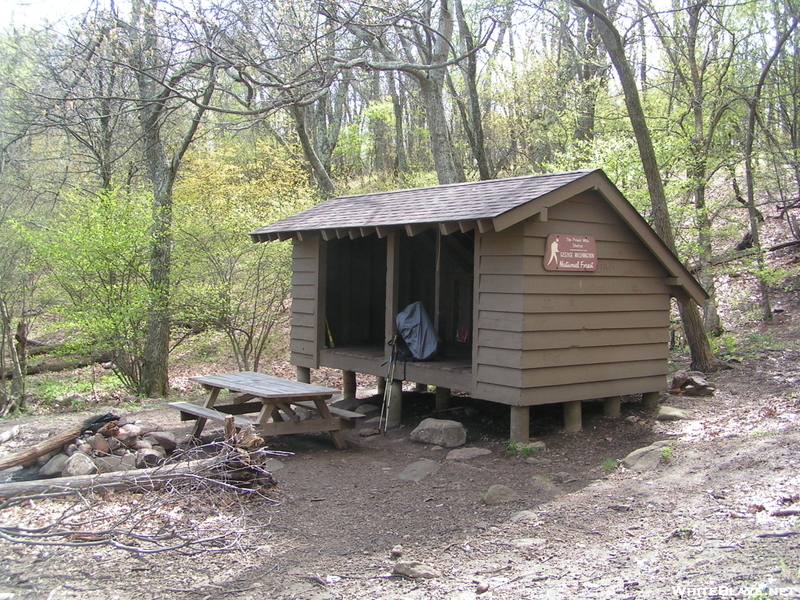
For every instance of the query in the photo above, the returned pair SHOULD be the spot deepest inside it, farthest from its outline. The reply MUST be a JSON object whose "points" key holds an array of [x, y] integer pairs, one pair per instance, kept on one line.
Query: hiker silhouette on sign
{"points": [[553, 251]]}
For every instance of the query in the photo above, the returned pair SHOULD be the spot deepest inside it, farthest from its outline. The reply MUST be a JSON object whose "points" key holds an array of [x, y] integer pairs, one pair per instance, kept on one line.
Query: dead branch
{"points": [[140, 479], [161, 521]]}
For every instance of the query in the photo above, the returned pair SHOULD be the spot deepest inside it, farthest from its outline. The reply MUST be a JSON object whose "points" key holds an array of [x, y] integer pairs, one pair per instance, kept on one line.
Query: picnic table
{"points": [[275, 401]]}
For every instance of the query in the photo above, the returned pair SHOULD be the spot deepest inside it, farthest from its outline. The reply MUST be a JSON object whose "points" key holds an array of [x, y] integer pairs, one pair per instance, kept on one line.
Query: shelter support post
{"points": [[395, 410], [572, 416], [381, 386], [650, 399], [303, 374], [348, 384], [443, 396], [520, 424], [611, 407]]}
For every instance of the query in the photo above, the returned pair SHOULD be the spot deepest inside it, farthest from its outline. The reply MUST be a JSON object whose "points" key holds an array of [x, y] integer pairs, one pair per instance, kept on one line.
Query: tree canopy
{"points": [[225, 115]]}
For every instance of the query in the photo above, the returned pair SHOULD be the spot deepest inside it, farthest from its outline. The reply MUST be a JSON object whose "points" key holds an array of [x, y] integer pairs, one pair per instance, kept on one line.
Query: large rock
{"points": [[500, 494], [441, 432], [79, 464], [645, 458], [670, 413], [99, 444], [54, 466], [109, 464]]}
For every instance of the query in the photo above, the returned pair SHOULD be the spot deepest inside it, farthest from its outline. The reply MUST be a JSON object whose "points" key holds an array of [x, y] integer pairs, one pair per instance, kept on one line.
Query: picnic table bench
{"points": [[275, 400]]}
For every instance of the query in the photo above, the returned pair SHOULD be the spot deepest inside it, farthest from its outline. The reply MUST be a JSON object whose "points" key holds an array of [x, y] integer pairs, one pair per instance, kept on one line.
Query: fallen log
{"points": [[54, 442], [55, 366], [151, 478], [236, 469]]}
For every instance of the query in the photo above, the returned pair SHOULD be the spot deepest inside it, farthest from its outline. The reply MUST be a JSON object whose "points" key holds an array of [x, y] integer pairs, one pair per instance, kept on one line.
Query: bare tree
{"points": [[703, 358], [752, 104]]}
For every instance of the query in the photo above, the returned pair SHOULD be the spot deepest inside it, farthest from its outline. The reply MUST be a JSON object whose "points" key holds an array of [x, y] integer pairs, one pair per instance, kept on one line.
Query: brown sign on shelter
{"points": [[515, 329], [570, 253]]}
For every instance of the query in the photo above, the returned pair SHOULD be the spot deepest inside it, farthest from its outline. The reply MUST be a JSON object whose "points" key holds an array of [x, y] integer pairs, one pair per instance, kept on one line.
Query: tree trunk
{"points": [[17, 391], [401, 160], [752, 211], [448, 169], [473, 124], [703, 358], [320, 172]]}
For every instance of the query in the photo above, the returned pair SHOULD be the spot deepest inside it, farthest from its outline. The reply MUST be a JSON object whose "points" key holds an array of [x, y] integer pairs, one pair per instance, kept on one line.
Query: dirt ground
{"points": [[704, 523]]}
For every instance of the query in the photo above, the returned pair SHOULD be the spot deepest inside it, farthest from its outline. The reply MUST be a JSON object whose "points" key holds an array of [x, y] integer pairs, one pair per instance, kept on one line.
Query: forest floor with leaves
{"points": [[716, 518]]}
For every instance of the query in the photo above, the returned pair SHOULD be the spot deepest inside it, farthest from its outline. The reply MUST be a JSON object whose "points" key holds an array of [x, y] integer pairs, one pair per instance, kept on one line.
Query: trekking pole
{"points": [[387, 391]]}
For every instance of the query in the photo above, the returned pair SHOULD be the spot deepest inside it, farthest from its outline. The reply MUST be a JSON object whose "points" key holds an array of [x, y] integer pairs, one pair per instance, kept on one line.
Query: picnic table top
{"points": [[262, 385]]}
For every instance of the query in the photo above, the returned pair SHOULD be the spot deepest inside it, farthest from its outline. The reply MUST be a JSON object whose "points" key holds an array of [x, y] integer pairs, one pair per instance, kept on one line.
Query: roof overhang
{"points": [[684, 286]]}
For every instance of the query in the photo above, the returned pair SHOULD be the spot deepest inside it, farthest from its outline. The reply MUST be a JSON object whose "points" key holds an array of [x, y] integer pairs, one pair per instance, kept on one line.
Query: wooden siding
{"points": [[545, 336], [305, 342]]}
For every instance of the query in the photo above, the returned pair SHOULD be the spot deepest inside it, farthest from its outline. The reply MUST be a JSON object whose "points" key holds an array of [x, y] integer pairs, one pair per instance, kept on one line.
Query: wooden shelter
{"points": [[544, 289]]}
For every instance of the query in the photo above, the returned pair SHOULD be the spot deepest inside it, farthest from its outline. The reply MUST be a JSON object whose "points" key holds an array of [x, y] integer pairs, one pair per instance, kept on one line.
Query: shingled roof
{"points": [[492, 205], [455, 203]]}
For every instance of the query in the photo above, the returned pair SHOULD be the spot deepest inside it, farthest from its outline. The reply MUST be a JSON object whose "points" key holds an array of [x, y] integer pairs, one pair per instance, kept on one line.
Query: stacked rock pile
{"points": [[116, 446]]}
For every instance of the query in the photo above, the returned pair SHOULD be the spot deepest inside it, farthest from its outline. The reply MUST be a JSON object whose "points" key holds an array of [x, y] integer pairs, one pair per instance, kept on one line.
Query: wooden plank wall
{"points": [[549, 337], [305, 342]]}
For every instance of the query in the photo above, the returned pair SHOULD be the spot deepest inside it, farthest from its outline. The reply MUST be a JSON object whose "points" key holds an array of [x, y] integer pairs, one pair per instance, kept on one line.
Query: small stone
{"points": [[418, 470], [524, 543], [564, 477], [110, 429], [525, 516], [273, 464], [397, 551], [126, 438], [130, 429], [142, 444], [415, 570], [368, 431], [467, 453], [670, 413], [500, 494], [482, 588], [79, 464], [100, 444], [146, 428], [645, 458]]}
